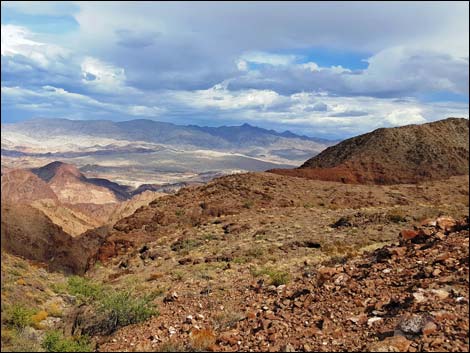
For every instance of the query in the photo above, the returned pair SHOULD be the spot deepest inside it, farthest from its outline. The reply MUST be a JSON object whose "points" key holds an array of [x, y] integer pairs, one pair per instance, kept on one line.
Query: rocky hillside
{"points": [[28, 232], [405, 154]]}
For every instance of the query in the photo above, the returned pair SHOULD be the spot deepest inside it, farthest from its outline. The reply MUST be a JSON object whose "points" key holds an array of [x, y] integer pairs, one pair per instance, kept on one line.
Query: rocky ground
{"points": [[266, 262], [409, 296]]}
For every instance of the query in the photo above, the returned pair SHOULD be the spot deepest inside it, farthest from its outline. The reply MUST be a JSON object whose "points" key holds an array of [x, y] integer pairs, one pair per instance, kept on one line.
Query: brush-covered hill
{"points": [[406, 154]]}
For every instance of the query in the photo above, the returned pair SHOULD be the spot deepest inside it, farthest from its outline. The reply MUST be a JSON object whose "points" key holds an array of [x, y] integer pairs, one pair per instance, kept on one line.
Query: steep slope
{"points": [[394, 155], [28, 232]]}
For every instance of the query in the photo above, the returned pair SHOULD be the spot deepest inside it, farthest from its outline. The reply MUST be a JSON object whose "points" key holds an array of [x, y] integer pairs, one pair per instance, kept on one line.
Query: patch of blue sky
{"points": [[442, 96], [326, 57], [40, 23]]}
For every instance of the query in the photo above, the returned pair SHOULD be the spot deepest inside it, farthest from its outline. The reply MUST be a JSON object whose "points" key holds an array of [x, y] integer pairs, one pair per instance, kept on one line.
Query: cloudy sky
{"points": [[317, 68]]}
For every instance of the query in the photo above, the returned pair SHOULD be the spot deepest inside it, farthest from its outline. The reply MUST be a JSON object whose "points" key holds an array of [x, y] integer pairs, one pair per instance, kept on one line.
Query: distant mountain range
{"points": [[406, 154], [218, 138], [150, 152]]}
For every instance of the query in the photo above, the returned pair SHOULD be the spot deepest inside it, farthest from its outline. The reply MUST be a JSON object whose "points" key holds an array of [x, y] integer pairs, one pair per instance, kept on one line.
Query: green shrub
{"points": [[124, 309], [248, 204], [19, 316], [396, 216], [54, 341], [120, 308], [84, 288], [277, 277]]}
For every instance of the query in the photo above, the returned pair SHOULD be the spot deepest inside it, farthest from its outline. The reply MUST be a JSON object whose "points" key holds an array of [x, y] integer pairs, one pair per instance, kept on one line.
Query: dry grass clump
{"points": [[203, 339]]}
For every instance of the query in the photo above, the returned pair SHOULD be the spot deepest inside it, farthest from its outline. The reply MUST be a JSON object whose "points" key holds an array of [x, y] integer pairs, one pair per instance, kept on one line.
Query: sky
{"points": [[325, 69]]}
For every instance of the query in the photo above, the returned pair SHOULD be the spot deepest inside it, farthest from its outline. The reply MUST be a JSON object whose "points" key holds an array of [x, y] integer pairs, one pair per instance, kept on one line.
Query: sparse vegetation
{"points": [[38, 317], [396, 216], [54, 341], [119, 307], [19, 316], [248, 204], [125, 309], [84, 288], [276, 276], [19, 341], [185, 245]]}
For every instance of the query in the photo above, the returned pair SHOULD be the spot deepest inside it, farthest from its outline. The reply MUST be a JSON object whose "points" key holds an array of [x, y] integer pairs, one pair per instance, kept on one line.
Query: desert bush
{"points": [[248, 204], [38, 317], [120, 308], [124, 309], [396, 216], [54, 310], [83, 288], [277, 277], [19, 316], [185, 244], [54, 341], [254, 252], [59, 288]]}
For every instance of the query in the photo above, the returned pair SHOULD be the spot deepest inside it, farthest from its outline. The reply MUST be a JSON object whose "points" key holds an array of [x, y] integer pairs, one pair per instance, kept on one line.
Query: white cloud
{"points": [[411, 115], [17, 40], [55, 99], [269, 58], [313, 112], [101, 75], [310, 66], [220, 97]]}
